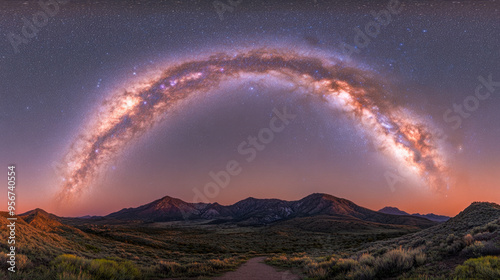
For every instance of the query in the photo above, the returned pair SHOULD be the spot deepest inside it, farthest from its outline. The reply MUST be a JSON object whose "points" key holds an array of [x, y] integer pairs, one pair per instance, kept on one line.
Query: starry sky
{"points": [[438, 60]]}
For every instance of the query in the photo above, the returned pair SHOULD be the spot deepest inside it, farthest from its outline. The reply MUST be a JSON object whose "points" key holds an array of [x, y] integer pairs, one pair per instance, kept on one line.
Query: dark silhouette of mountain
{"points": [[393, 211], [432, 217], [253, 211]]}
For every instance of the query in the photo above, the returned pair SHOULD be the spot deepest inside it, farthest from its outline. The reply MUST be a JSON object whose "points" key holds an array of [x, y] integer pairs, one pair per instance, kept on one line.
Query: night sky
{"points": [[433, 61]]}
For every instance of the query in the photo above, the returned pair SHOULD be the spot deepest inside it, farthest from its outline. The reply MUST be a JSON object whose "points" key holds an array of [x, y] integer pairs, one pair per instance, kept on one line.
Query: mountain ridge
{"points": [[430, 216], [254, 211]]}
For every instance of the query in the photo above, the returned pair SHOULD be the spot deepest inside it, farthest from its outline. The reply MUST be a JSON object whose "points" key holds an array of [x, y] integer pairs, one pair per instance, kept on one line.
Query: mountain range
{"points": [[252, 212], [396, 211]]}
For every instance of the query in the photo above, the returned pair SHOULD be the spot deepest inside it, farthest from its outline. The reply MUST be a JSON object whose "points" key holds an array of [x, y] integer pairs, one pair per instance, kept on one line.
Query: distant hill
{"points": [[253, 211], [432, 217]]}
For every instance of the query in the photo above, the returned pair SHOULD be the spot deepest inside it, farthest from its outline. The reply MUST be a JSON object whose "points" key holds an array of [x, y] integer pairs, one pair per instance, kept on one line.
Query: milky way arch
{"points": [[130, 113]]}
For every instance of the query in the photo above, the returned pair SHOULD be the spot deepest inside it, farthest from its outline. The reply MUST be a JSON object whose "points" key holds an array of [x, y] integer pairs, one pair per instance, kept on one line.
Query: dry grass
{"points": [[366, 266]]}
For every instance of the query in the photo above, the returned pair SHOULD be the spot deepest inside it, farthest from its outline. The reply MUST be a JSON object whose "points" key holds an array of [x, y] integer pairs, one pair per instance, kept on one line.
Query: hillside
{"points": [[41, 236], [464, 247], [41, 220]]}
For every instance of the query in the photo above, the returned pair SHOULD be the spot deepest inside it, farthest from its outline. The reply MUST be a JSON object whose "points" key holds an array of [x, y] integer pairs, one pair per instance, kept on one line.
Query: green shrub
{"points": [[70, 265], [346, 265], [453, 244], [475, 249], [482, 248], [484, 236], [362, 272], [397, 261], [110, 269], [479, 268], [170, 268], [393, 262], [73, 267], [489, 227], [420, 258], [450, 238]]}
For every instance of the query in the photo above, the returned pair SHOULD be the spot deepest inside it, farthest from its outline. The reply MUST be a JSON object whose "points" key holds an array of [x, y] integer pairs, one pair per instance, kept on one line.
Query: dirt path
{"points": [[256, 269]]}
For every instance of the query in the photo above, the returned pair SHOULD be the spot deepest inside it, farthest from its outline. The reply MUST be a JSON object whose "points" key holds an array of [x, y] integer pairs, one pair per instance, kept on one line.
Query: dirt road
{"points": [[256, 269]]}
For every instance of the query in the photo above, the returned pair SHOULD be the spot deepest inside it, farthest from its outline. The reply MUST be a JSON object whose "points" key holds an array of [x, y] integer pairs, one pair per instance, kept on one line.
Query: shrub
{"points": [[417, 243], [479, 268], [362, 272], [483, 236], [345, 265], [366, 259], [73, 267], [475, 249], [300, 260], [469, 240], [70, 276], [450, 238], [482, 248], [170, 268], [490, 227], [455, 247], [397, 261], [317, 272], [217, 264], [70, 265], [453, 244], [110, 269], [393, 262], [420, 258]]}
